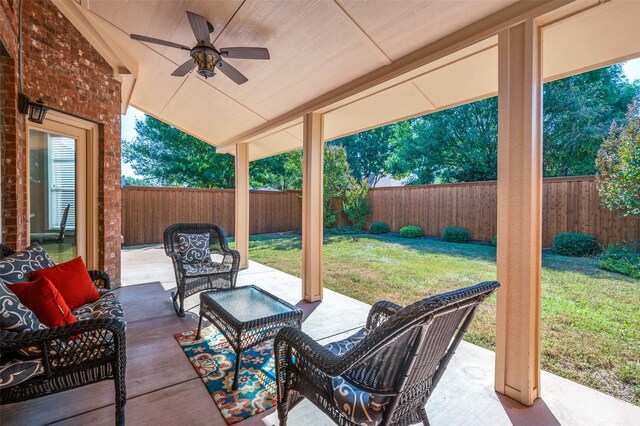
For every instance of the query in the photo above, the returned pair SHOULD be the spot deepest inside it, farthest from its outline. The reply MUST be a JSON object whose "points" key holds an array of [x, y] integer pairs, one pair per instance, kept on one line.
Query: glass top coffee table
{"points": [[246, 316]]}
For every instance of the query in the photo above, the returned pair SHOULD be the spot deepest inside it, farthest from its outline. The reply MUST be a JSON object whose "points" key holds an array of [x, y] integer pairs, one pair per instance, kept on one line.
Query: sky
{"points": [[631, 70]]}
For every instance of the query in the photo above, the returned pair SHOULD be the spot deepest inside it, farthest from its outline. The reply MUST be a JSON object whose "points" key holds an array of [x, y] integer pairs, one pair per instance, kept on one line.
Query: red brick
{"points": [[82, 85]]}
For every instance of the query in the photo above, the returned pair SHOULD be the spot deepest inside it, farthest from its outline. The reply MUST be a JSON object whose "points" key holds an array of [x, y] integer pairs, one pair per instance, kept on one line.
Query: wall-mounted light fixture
{"points": [[35, 110]]}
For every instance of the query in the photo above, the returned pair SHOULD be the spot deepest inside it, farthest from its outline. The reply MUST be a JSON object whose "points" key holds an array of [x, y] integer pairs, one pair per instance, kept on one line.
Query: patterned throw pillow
{"points": [[14, 316], [18, 266], [194, 248]]}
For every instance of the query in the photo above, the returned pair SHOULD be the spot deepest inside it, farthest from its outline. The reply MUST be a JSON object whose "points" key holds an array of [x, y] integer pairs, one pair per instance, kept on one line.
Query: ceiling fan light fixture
{"points": [[206, 59], [204, 56]]}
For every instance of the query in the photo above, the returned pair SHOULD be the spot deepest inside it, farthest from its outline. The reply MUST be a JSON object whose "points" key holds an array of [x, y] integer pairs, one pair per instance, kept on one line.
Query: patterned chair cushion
{"points": [[360, 407], [16, 369], [17, 267], [205, 268], [342, 346], [194, 248], [108, 306]]}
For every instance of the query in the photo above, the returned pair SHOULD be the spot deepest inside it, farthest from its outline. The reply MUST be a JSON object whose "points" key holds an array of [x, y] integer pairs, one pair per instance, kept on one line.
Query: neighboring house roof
{"points": [[387, 181]]}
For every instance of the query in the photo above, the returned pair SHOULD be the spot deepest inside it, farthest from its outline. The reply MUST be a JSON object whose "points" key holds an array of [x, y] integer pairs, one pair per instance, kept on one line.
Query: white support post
{"points": [[519, 258], [242, 203], [312, 207]]}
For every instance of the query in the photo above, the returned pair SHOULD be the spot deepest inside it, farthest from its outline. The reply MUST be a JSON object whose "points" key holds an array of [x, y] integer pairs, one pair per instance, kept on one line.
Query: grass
{"points": [[60, 252], [590, 317]]}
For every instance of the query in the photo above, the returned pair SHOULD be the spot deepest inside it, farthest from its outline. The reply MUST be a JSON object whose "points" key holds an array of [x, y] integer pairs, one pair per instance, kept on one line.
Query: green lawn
{"points": [[61, 252], [590, 318]]}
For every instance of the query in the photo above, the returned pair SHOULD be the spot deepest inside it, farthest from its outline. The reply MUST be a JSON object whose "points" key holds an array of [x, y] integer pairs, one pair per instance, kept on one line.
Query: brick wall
{"points": [[62, 68]]}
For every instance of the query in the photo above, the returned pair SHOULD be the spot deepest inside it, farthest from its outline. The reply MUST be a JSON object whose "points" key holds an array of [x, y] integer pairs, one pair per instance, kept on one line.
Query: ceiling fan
{"points": [[204, 54]]}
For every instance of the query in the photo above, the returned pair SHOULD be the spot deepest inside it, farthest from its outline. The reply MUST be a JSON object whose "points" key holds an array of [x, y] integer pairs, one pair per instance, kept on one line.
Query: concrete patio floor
{"points": [[163, 388]]}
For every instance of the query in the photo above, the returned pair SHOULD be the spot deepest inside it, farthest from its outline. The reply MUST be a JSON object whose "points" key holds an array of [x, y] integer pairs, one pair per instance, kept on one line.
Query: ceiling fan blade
{"points": [[184, 69], [232, 73], [199, 26], [158, 41], [245, 52]]}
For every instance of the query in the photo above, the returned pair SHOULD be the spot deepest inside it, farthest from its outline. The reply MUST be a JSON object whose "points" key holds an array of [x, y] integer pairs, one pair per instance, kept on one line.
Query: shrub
{"points": [[329, 215], [494, 241], [342, 230], [453, 234], [410, 231], [575, 244], [379, 228], [617, 162], [356, 204], [621, 259]]}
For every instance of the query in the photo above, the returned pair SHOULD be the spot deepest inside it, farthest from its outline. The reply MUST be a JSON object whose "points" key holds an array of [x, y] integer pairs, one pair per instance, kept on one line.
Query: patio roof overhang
{"points": [[339, 59]]}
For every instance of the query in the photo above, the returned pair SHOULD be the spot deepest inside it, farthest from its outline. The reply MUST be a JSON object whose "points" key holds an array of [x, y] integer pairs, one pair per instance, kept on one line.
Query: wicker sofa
{"points": [[383, 374], [44, 361]]}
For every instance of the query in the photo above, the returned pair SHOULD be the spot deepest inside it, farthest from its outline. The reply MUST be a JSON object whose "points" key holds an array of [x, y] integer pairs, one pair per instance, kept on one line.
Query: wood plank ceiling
{"points": [[317, 46]]}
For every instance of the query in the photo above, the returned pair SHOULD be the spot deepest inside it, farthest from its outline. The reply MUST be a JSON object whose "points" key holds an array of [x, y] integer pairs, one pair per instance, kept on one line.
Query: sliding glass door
{"points": [[57, 191]]}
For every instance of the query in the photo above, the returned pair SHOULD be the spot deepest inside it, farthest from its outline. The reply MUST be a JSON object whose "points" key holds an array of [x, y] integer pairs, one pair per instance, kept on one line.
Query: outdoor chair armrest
{"points": [[177, 262], [380, 312], [12, 340], [292, 339], [232, 257], [52, 341], [100, 279]]}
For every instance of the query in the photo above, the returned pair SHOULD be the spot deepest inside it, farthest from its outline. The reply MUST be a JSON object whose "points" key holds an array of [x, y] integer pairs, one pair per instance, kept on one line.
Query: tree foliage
{"points": [[282, 172], [455, 145], [356, 204], [367, 153], [618, 163], [337, 180], [166, 156], [578, 112]]}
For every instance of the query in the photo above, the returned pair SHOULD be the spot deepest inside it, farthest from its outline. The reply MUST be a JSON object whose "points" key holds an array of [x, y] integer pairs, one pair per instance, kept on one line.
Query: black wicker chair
{"points": [[85, 352], [207, 274], [385, 373]]}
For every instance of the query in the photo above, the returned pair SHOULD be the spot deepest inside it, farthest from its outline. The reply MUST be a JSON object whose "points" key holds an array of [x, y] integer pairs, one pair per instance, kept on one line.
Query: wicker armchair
{"points": [[201, 274], [88, 351], [385, 373]]}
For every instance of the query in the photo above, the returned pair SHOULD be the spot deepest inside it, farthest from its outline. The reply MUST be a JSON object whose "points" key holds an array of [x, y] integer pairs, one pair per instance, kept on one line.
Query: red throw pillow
{"points": [[46, 302], [72, 281]]}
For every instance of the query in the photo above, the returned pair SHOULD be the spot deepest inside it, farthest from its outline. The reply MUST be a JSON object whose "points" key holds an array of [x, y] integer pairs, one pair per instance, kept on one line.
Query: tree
{"points": [[618, 163], [132, 181], [166, 156], [337, 179], [578, 112], [455, 145], [281, 172], [367, 153]]}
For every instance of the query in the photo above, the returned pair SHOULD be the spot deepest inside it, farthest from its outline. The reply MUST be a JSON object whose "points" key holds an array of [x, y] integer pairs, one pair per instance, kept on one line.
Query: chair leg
{"points": [[199, 328], [180, 309], [283, 413], [425, 419], [283, 407], [235, 373], [121, 395]]}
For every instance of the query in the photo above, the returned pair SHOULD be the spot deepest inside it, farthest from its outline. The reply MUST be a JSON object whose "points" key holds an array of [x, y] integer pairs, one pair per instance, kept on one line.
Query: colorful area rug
{"points": [[214, 361]]}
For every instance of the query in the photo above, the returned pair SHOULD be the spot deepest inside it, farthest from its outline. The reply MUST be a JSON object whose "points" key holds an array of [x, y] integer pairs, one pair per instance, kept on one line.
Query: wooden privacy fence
{"points": [[147, 211], [569, 205]]}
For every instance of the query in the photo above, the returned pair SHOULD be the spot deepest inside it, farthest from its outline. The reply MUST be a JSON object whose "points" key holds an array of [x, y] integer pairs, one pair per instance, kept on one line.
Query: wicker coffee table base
{"points": [[242, 335]]}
